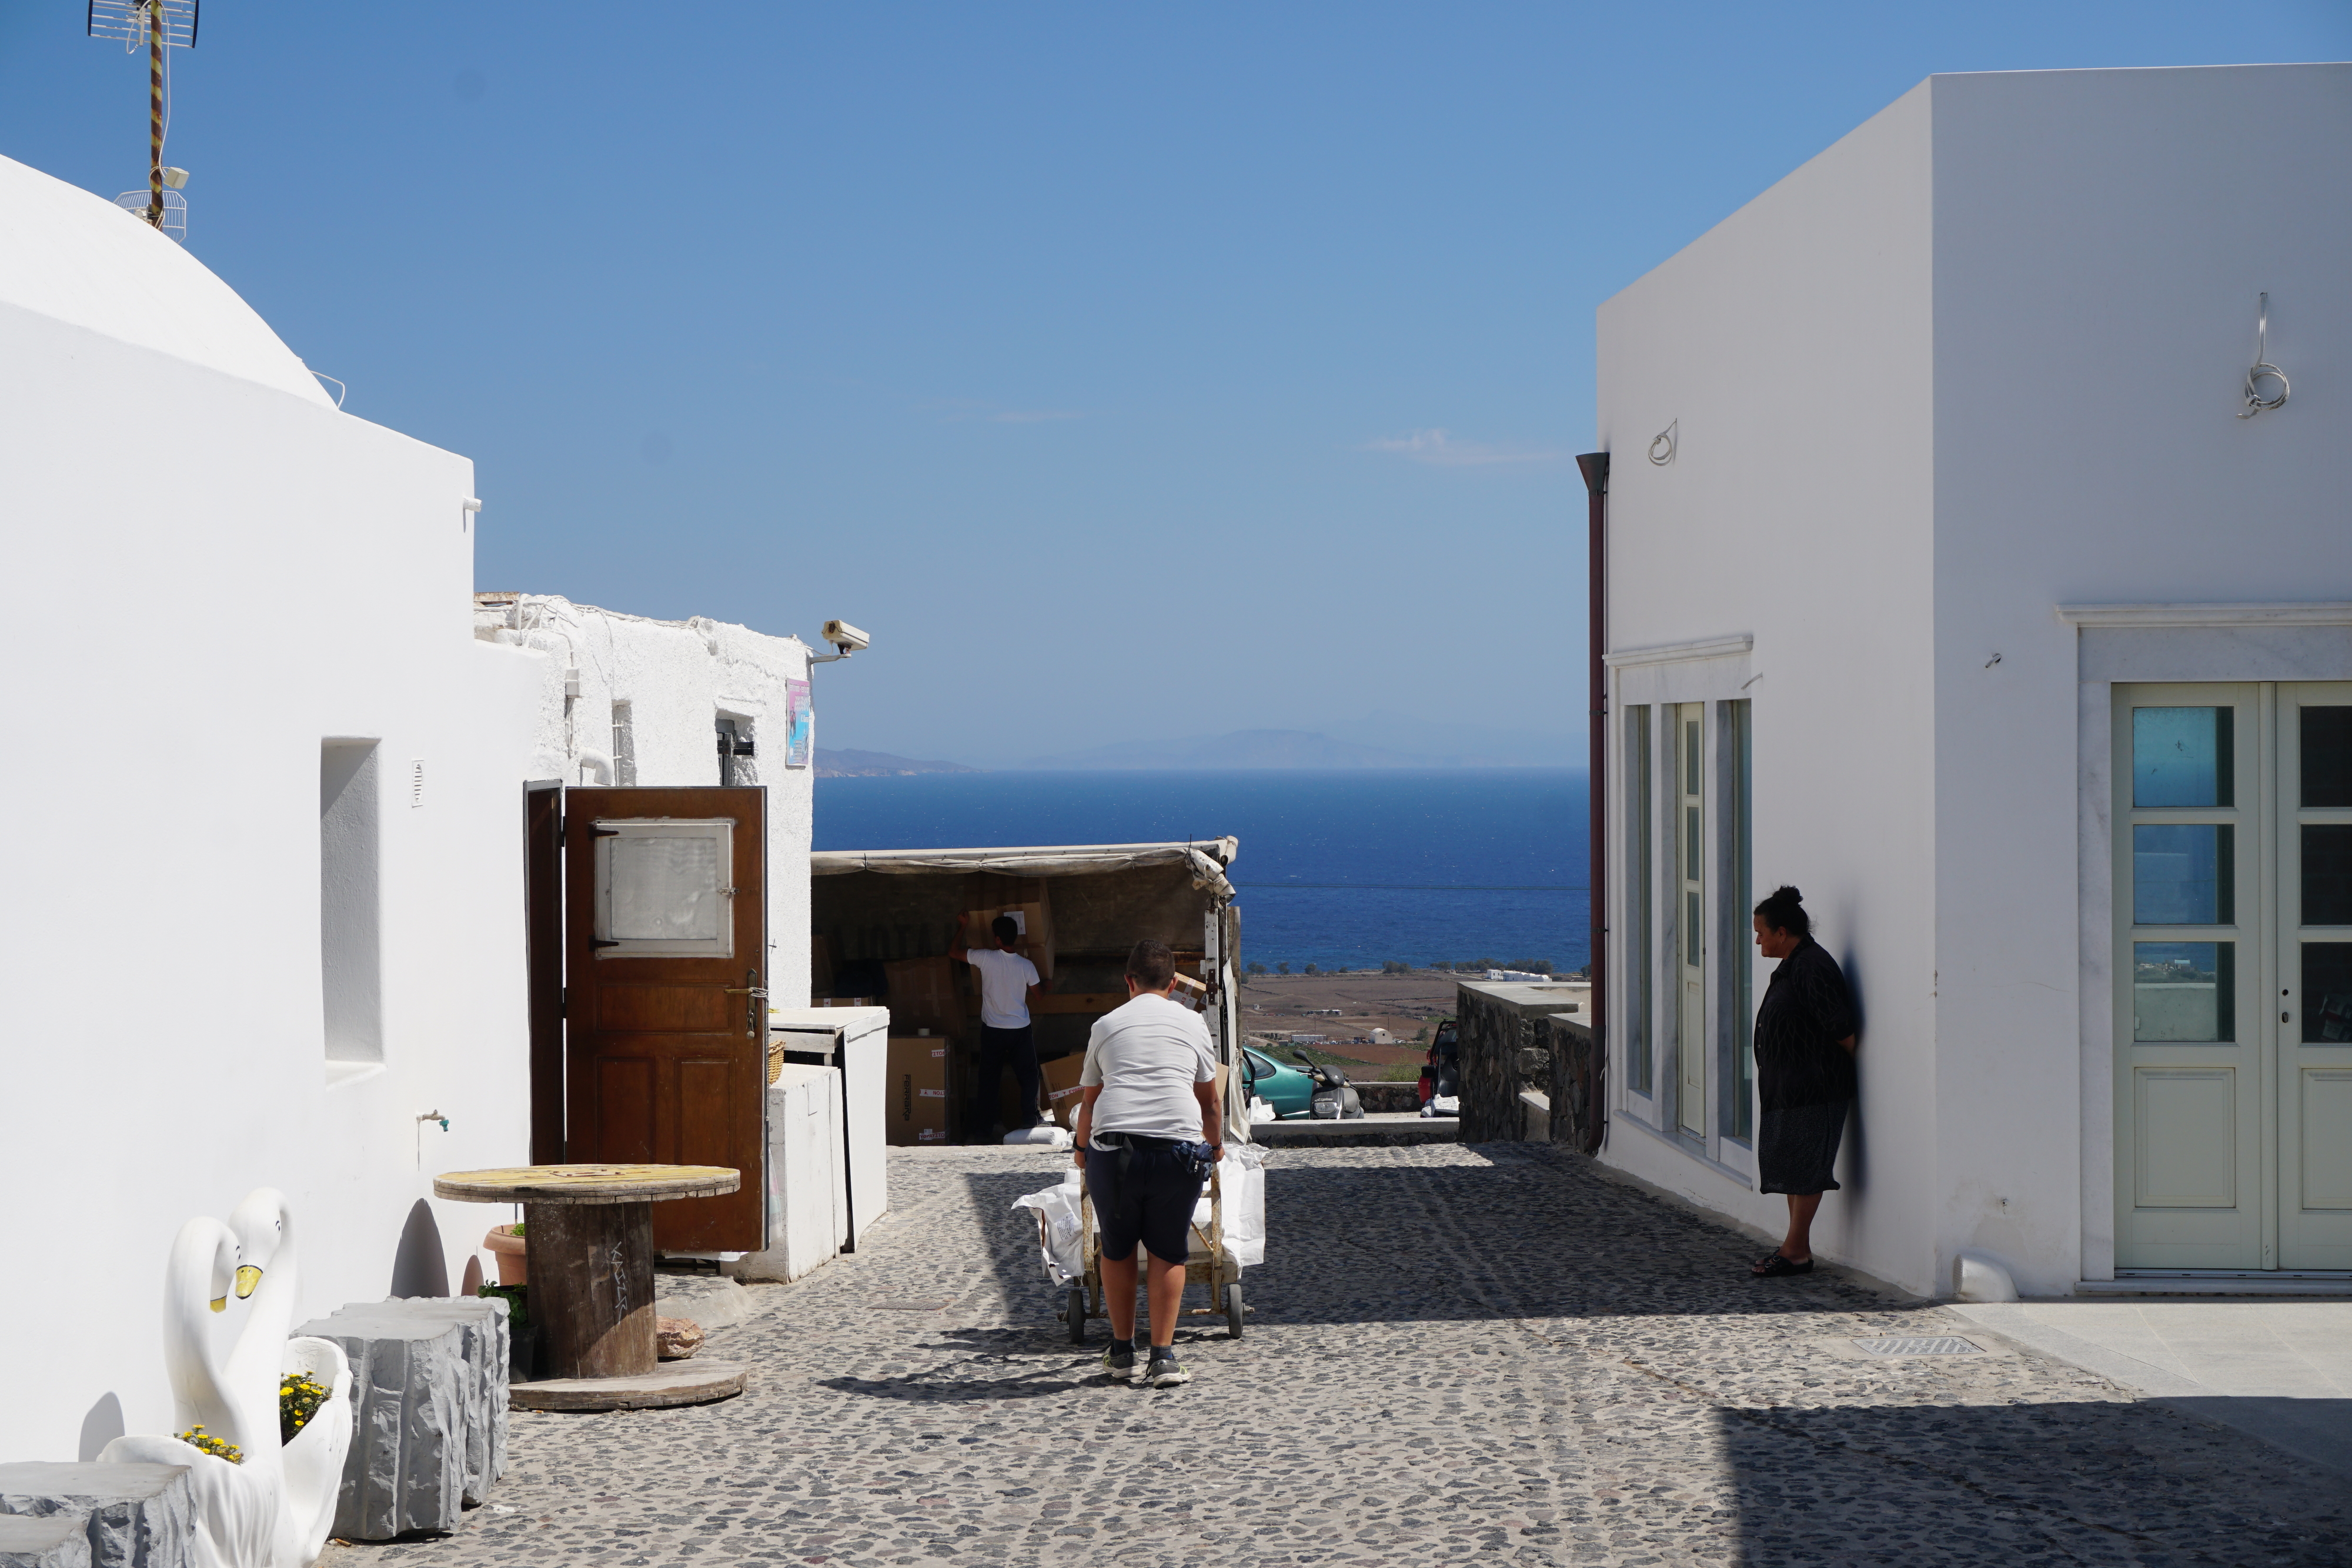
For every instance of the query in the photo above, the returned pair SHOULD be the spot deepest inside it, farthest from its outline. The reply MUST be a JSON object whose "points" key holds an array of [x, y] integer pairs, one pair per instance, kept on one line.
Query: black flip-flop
{"points": [[1777, 1267]]}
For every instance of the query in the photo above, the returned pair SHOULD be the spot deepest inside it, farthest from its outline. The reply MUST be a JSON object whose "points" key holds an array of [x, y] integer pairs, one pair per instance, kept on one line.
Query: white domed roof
{"points": [[78, 258]]}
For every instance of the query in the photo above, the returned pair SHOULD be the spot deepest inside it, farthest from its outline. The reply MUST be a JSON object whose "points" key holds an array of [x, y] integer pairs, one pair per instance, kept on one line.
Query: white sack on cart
{"points": [[1058, 1207], [1242, 1182]]}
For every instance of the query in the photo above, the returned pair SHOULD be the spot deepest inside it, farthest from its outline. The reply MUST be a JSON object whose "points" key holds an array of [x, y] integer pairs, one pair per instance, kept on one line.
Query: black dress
{"points": [[1804, 1076]]}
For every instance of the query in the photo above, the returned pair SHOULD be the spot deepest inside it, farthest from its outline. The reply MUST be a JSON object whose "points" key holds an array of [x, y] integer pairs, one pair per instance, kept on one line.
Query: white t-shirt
{"points": [[1004, 981], [1146, 1056]]}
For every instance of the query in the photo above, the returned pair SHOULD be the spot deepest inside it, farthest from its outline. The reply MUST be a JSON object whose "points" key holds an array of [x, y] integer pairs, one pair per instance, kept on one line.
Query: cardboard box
{"points": [[923, 994], [916, 1090], [1036, 940], [1061, 1087]]}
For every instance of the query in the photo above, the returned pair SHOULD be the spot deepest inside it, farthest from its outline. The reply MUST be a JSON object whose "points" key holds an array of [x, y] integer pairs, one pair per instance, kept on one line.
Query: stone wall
{"points": [[1509, 1044]]}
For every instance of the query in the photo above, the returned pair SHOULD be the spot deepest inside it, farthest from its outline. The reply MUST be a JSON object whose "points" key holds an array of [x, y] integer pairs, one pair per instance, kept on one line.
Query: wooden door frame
{"points": [[737, 1222]]}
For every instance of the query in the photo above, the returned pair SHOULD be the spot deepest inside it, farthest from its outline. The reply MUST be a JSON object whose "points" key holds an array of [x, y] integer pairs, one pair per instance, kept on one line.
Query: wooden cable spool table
{"points": [[589, 1232]]}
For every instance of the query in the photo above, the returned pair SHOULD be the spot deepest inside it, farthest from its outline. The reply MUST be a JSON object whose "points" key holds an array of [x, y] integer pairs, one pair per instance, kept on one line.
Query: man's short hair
{"points": [[1007, 930], [1151, 965]]}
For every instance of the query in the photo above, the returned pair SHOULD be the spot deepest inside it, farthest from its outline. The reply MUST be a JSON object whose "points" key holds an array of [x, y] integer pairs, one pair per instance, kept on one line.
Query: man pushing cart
{"points": [[1150, 1133]]}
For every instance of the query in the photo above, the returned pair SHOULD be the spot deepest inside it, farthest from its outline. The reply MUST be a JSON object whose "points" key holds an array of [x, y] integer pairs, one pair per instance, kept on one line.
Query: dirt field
{"points": [[1402, 1004]]}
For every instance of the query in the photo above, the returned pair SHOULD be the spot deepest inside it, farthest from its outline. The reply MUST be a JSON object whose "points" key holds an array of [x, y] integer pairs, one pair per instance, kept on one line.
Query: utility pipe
{"points": [[1594, 465]]}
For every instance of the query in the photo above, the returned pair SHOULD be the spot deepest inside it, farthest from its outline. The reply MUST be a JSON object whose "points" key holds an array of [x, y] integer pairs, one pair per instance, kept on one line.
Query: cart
{"points": [[1208, 1262]]}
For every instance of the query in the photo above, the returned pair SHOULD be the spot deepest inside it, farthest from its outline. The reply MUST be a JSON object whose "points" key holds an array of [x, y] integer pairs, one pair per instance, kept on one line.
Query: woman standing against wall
{"points": [[1804, 1073]]}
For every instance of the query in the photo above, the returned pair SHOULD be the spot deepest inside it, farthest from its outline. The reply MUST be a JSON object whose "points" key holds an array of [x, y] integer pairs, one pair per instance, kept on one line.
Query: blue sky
{"points": [[1125, 371]]}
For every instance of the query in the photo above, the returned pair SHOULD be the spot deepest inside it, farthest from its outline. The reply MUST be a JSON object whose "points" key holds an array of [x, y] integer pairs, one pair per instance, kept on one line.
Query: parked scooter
{"points": [[1335, 1099], [1441, 1079]]}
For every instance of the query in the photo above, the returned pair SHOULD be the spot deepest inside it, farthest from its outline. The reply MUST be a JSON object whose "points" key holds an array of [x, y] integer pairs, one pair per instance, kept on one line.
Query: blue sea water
{"points": [[1336, 869]]}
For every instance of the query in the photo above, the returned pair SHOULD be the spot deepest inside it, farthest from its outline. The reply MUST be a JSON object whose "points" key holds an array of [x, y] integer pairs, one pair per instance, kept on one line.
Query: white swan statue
{"points": [[236, 1508], [311, 1465]]}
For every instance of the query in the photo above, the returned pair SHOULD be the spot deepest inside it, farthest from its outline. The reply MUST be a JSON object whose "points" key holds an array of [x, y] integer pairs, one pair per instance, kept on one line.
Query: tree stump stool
{"points": [[589, 1234]]}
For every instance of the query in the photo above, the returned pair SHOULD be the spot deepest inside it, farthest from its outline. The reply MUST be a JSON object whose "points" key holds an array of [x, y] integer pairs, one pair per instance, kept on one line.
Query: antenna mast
{"points": [[160, 25]]}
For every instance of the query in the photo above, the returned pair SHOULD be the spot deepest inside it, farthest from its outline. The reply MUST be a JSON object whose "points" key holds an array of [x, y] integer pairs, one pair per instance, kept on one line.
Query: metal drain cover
{"points": [[1950, 1344]]}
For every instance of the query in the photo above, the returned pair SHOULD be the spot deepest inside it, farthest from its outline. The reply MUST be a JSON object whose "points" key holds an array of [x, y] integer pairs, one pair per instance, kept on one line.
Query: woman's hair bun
{"points": [[1784, 910]]}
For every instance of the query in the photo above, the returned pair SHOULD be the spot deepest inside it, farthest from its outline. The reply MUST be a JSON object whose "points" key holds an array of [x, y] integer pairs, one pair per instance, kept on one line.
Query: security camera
{"points": [[846, 637]]}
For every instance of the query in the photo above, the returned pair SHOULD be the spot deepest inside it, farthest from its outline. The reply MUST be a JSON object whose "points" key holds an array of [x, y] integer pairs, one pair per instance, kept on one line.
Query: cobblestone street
{"points": [[1456, 1353]]}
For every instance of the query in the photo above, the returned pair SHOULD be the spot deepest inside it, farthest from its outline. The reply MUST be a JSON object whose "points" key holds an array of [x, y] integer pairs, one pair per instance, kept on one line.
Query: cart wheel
{"points": [[1234, 1310], [1075, 1314]]}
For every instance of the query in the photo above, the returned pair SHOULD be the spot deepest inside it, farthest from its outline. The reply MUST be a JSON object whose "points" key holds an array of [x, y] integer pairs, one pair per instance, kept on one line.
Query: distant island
{"points": [[846, 764], [1269, 748], [1375, 741]]}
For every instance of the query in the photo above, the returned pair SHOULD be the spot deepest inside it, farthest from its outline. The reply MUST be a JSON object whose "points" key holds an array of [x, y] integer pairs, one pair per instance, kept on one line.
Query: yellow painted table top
{"points": [[586, 1184]]}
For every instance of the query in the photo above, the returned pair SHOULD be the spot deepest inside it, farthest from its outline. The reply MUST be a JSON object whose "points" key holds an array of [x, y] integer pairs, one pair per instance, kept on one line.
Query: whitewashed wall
{"points": [[2101, 237], [1980, 359], [677, 678], [1789, 349], [211, 571]]}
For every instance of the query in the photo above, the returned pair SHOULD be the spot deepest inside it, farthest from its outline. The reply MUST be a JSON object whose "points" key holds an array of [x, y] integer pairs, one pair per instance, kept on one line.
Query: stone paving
{"points": [[1491, 1354]]}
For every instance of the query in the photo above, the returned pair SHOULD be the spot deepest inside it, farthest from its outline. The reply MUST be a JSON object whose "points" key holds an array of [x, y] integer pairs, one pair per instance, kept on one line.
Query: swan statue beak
{"points": [[248, 1277], [220, 1303]]}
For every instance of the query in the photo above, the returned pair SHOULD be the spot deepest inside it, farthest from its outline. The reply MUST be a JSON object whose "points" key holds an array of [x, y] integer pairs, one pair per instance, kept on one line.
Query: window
{"points": [[1640, 1067], [1691, 1035], [736, 768], [350, 945], [1738, 948]]}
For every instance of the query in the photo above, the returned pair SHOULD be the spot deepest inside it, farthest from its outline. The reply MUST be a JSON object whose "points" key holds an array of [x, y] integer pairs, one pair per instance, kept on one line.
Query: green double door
{"points": [[2234, 977]]}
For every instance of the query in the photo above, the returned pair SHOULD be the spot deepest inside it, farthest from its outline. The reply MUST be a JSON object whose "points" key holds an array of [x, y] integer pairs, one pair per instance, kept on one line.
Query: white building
{"points": [[1945, 582], [628, 701], [249, 725]]}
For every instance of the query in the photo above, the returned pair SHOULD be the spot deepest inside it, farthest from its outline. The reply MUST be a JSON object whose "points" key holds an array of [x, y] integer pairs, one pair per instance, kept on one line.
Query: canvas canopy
{"points": [[1206, 858]]}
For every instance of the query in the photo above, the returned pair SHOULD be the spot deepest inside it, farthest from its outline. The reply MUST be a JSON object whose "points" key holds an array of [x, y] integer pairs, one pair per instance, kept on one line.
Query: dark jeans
{"points": [[1001, 1048]]}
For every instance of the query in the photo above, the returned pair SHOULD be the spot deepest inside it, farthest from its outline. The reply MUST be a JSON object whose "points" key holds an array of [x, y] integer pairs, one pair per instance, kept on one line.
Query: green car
{"points": [[1290, 1092]]}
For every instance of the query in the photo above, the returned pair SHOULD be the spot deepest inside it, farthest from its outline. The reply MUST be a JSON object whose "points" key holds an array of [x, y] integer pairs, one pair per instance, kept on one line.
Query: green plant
{"points": [[518, 1225], [517, 1298], [1256, 969], [1392, 966], [299, 1397], [1310, 968], [1282, 969], [197, 1437]]}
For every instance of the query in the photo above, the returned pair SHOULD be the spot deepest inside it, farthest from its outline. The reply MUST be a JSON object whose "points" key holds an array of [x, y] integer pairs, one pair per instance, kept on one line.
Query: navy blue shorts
{"points": [[1150, 1200]]}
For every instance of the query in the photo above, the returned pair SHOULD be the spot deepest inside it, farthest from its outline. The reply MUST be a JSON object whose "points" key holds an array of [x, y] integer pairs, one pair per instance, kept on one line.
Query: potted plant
{"points": [[514, 1261]]}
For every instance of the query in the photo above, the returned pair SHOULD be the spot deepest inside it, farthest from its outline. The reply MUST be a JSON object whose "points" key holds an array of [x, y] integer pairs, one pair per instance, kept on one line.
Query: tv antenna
{"points": [[160, 25]]}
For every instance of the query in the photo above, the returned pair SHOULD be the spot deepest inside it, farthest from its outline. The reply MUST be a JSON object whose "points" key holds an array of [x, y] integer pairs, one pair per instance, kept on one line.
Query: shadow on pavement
{"points": [[1523, 1230], [2028, 1482]]}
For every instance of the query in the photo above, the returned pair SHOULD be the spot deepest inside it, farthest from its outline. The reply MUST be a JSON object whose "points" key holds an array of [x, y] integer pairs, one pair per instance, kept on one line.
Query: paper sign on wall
{"points": [[801, 725]]}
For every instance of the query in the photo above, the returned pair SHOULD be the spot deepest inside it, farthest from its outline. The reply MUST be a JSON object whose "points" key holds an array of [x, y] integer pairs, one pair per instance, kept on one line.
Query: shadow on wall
{"points": [[2017, 1482], [1855, 1154], [420, 1266], [99, 1427]]}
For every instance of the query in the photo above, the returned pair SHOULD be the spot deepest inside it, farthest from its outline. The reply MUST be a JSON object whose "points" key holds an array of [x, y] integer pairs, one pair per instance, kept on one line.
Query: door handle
{"points": [[751, 994]]}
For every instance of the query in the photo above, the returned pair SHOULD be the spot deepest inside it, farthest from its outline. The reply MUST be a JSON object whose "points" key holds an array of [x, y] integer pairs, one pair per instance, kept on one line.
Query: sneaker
{"points": [[1120, 1362], [1164, 1372]]}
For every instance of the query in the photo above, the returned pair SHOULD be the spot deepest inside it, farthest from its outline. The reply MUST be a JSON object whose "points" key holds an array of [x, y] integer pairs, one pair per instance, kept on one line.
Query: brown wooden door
{"points": [[666, 943]]}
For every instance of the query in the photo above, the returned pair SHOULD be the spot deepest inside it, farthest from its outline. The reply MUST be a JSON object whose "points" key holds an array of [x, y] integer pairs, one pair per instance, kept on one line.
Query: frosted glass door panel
{"points": [[663, 889]]}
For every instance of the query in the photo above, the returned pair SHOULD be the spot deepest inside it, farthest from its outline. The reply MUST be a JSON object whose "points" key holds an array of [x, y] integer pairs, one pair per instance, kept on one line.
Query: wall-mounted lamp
{"points": [[2257, 402]]}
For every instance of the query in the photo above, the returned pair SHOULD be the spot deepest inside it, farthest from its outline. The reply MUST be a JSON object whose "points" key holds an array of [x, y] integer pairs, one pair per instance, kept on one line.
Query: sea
{"points": [[1340, 870]]}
